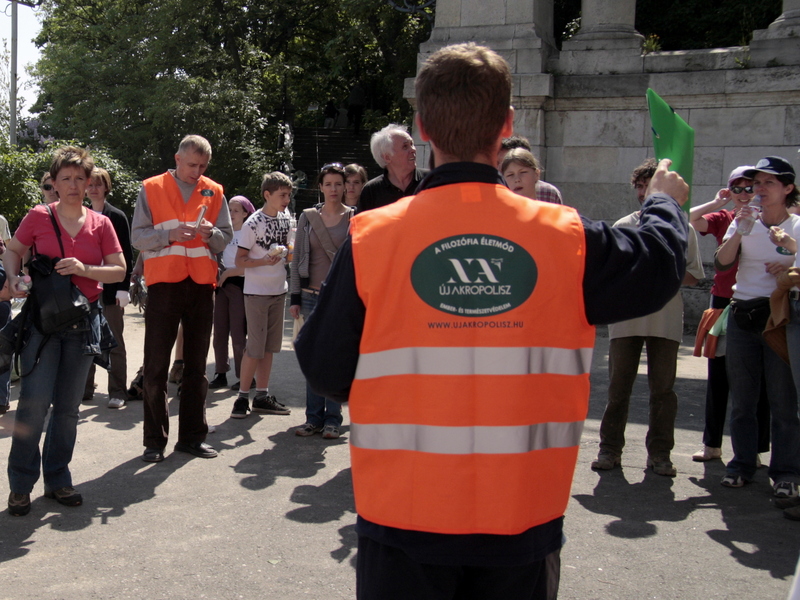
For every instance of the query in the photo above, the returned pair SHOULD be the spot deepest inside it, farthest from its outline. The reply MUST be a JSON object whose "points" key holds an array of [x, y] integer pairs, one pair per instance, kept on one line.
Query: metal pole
{"points": [[12, 104]]}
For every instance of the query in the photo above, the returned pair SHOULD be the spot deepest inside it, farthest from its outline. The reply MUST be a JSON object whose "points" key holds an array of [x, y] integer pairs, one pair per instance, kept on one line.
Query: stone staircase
{"points": [[315, 147]]}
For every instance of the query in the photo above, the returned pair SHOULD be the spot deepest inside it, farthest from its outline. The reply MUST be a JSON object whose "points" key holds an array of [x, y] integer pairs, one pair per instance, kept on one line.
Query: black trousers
{"points": [[717, 399], [168, 305], [388, 573]]}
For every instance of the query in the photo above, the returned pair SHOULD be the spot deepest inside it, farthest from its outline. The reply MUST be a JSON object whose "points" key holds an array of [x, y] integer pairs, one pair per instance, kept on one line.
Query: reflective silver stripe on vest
{"points": [[516, 439], [198, 252], [171, 224], [474, 361]]}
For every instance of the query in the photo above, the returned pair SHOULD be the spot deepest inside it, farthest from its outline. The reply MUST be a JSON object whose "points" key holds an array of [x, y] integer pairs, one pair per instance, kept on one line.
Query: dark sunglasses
{"points": [[738, 189], [335, 165], [47, 187]]}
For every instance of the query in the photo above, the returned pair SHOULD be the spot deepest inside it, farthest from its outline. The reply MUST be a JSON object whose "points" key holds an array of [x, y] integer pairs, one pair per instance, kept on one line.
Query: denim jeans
{"points": [[58, 380], [320, 411], [748, 356], [717, 399]]}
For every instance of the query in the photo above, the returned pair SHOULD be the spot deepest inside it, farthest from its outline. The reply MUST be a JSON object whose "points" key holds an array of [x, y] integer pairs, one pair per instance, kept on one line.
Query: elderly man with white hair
{"points": [[394, 151]]}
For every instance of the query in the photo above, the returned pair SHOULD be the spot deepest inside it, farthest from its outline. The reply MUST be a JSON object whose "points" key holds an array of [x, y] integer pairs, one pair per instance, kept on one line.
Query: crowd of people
{"points": [[431, 494]]}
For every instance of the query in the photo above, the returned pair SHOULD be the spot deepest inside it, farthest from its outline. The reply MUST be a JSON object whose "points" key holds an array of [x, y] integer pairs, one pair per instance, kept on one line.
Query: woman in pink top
{"points": [[55, 367]]}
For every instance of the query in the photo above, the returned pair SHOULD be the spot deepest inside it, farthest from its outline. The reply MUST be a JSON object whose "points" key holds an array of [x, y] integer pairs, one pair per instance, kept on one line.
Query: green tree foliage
{"points": [[19, 186], [21, 170], [136, 76]]}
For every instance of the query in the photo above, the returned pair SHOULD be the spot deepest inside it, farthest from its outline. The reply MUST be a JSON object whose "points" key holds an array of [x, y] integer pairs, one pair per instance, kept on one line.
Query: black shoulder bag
{"points": [[56, 302]]}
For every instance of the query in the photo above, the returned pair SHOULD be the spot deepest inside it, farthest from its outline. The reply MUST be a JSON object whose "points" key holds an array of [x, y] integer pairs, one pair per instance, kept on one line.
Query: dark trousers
{"points": [[717, 399], [387, 573], [118, 371], [717, 407], [229, 321], [623, 365], [168, 305]]}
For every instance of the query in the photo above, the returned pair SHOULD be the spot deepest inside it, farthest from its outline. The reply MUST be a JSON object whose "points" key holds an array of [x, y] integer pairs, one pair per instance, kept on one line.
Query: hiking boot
{"points": [[136, 391], [220, 381], [268, 405], [240, 408], [606, 461], [786, 502], [19, 505], [662, 466], [176, 372], [68, 496]]}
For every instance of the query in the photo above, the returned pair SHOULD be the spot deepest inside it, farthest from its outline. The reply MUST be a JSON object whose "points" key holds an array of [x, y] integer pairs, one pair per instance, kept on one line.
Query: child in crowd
{"points": [[262, 254]]}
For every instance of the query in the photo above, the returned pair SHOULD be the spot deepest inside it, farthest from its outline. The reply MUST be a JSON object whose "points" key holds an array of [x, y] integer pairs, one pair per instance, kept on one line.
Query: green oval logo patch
{"points": [[474, 275], [206, 192]]}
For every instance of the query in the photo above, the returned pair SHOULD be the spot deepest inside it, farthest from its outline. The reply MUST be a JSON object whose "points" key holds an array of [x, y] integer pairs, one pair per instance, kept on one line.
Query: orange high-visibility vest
{"points": [[472, 383], [180, 260]]}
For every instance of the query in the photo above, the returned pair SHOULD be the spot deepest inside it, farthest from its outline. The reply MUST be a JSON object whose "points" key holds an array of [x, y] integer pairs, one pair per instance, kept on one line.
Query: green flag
{"points": [[672, 138]]}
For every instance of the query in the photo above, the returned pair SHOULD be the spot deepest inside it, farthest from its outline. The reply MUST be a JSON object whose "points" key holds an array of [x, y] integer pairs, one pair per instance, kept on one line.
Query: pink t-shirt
{"points": [[95, 240]]}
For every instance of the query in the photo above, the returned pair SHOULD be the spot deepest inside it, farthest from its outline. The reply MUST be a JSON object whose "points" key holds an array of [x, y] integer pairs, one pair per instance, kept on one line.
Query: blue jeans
{"points": [[58, 381], [320, 411], [748, 356]]}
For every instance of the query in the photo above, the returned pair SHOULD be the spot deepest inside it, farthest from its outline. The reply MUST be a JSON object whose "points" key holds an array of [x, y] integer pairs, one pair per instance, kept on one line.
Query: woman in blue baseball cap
{"points": [[748, 355]]}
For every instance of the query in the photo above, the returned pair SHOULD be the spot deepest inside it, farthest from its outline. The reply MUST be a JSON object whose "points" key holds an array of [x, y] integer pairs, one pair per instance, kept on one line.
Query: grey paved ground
{"points": [[272, 517]]}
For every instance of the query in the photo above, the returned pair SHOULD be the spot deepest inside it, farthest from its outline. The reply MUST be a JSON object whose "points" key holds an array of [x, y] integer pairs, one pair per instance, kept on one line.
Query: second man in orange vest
{"points": [[181, 221]]}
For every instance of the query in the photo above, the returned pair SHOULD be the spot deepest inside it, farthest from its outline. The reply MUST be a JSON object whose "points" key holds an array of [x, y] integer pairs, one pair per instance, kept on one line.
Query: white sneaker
{"points": [[707, 453], [116, 402]]}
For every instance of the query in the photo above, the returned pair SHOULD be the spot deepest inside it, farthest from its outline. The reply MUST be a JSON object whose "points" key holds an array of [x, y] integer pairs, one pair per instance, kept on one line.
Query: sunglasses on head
{"points": [[737, 189], [335, 165], [47, 187]]}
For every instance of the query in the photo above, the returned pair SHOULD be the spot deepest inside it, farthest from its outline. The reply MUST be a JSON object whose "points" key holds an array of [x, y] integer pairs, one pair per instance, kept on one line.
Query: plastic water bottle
{"points": [[746, 225], [25, 284]]}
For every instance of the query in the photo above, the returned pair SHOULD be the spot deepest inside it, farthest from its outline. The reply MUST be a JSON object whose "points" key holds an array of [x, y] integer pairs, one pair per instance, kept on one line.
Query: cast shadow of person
{"points": [[757, 535], [104, 498], [326, 503], [289, 456], [637, 506]]}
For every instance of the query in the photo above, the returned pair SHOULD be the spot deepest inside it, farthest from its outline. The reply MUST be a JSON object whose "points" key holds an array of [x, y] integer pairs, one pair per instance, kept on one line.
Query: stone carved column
{"points": [[604, 19], [607, 41], [521, 31], [779, 44]]}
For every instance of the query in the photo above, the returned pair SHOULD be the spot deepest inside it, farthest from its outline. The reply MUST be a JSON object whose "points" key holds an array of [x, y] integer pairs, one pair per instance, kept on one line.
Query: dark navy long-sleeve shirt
{"points": [[628, 273]]}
